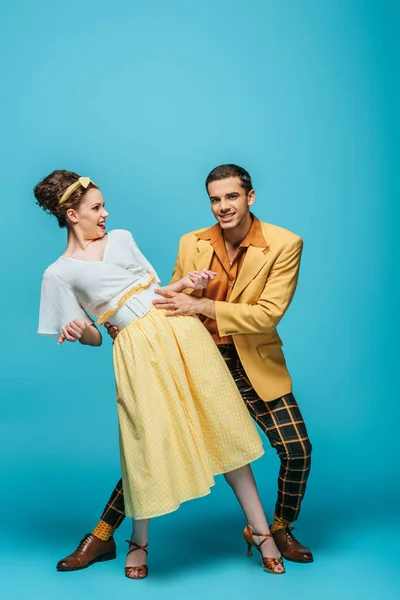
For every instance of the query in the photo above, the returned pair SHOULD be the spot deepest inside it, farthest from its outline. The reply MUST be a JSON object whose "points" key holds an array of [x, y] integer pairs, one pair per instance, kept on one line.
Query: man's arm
{"points": [[237, 318], [264, 316]]}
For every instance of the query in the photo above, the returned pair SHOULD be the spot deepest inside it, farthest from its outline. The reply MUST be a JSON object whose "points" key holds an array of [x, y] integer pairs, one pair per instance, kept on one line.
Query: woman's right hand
{"points": [[73, 331], [197, 280], [112, 330]]}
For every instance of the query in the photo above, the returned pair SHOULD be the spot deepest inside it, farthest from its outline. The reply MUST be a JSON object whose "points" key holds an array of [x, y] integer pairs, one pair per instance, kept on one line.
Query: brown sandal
{"points": [[268, 562], [141, 571]]}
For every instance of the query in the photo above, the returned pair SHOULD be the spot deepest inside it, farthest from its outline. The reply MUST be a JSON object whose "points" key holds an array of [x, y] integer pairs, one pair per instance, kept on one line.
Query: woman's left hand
{"points": [[73, 331], [197, 280]]}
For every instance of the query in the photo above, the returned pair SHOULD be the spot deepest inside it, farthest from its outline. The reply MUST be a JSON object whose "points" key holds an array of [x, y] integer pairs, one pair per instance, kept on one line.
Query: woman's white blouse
{"points": [[70, 287]]}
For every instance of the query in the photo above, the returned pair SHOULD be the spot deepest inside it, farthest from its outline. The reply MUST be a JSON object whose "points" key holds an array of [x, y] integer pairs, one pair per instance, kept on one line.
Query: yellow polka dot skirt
{"points": [[181, 417]]}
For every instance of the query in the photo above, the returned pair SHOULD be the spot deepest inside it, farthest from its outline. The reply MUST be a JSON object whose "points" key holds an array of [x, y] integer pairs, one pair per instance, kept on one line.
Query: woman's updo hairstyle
{"points": [[50, 190]]}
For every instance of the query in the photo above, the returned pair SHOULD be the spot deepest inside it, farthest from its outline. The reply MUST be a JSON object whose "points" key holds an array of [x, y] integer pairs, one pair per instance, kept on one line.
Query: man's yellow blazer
{"points": [[259, 299]]}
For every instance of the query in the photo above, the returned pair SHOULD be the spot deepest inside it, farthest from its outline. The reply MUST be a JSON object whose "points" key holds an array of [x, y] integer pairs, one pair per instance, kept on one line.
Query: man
{"points": [[257, 265]]}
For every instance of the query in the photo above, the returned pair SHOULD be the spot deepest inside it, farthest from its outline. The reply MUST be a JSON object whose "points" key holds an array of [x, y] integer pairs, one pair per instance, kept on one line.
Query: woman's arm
{"points": [[197, 280], [87, 335]]}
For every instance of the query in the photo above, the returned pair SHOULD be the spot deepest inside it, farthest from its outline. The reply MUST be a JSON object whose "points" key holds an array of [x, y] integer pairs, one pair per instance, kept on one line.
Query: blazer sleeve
{"points": [[264, 316]]}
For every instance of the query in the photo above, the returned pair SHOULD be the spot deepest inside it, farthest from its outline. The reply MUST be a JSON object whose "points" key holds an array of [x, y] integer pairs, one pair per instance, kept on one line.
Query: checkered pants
{"points": [[285, 429]]}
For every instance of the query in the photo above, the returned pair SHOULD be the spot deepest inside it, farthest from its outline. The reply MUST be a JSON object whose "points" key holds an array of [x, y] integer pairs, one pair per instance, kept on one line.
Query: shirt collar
{"points": [[254, 236]]}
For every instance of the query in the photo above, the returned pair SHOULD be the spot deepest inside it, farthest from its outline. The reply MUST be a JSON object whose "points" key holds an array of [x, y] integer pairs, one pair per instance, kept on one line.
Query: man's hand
{"points": [[183, 304], [176, 303], [112, 330], [72, 331]]}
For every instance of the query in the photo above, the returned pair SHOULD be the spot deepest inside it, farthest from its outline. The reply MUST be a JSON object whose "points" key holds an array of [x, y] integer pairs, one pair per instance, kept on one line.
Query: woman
{"points": [[181, 418]]}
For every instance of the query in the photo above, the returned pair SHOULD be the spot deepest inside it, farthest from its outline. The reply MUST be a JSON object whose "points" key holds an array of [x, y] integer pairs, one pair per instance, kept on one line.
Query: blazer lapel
{"points": [[254, 261], [202, 260]]}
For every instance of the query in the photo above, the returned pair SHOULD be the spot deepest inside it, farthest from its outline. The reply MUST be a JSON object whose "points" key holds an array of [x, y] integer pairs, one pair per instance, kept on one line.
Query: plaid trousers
{"points": [[282, 423]]}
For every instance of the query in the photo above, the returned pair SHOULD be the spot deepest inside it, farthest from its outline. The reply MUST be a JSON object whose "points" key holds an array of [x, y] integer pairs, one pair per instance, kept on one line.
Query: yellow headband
{"points": [[83, 181]]}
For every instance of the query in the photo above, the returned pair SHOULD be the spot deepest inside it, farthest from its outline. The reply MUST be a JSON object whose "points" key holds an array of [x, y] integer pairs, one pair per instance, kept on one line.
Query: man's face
{"points": [[229, 202]]}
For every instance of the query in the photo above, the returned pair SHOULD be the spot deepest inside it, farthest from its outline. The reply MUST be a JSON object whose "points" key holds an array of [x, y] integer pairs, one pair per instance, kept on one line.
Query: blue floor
{"points": [[197, 552]]}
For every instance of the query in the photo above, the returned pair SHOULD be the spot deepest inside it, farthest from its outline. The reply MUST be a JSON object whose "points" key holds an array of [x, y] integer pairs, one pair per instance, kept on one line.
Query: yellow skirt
{"points": [[181, 417]]}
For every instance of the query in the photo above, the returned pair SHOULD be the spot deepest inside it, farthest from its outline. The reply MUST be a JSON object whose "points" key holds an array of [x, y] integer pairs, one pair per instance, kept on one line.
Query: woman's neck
{"points": [[77, 242]]}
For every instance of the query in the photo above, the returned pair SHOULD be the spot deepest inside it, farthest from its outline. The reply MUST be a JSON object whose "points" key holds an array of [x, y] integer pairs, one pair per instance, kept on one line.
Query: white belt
{"points": [[134, 308]]}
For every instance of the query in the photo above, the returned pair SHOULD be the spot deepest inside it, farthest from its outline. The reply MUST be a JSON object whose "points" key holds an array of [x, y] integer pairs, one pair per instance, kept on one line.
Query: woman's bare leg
{"points": [[140, 535], [243, 484]]}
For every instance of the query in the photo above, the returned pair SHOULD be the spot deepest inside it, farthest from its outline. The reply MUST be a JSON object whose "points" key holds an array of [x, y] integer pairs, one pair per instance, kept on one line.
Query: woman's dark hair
{"points": [[50, 190], [225, 171]]}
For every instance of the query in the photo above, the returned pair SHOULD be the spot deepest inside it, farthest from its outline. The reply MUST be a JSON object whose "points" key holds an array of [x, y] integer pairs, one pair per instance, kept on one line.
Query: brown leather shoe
{"points": [[90, 550], [291, 548]]}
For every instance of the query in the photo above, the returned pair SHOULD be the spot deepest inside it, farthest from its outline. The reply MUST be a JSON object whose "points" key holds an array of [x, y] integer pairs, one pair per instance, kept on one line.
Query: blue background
{"points": [[146, 98]]}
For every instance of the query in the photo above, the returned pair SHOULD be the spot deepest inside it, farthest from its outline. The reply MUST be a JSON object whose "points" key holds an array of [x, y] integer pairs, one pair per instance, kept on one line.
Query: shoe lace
{"points": [[290, 534], [84, 541]]}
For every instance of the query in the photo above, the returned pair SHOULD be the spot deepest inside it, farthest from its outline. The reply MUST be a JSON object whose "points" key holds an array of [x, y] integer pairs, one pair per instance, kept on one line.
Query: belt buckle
{"points": [[135, 306]]}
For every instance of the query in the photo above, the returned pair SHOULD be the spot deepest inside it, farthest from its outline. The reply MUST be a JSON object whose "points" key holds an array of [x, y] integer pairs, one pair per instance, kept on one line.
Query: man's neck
{"points": [[234, 237]]}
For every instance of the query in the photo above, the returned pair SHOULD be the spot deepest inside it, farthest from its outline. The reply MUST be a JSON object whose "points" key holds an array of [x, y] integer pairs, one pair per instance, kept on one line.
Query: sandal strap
{"points": [[266, 536], [270, 563], [273, 560], [139, 572], [136, 547]]}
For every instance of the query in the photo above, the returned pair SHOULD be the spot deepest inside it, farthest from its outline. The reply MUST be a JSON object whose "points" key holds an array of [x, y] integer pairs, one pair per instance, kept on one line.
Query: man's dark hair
{"points": [[225, 171]]}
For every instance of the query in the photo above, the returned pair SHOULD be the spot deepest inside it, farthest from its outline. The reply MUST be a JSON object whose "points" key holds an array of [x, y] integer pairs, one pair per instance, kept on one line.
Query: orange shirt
{"points": [[221, 287]]}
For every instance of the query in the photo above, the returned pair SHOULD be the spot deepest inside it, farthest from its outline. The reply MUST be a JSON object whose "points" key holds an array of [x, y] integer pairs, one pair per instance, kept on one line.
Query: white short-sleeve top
{"points": [[71, 288]]}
